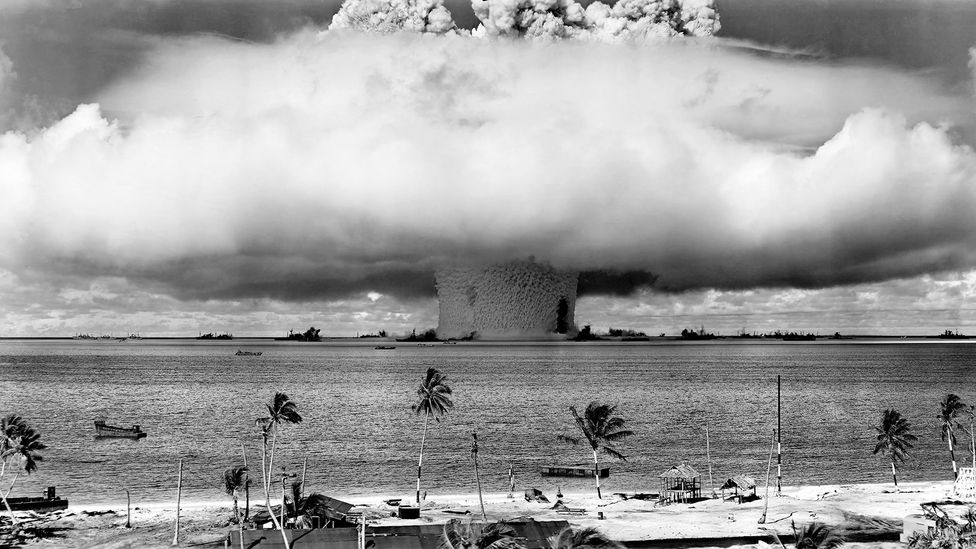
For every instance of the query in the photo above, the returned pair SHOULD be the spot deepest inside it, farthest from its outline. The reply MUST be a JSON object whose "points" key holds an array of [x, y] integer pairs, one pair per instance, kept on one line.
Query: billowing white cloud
{"points": [[333, 164], [394, 15], [625, 20]]}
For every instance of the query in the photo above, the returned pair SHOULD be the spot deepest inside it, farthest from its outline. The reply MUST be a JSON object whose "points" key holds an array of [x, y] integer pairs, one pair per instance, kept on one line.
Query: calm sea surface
{"points": [[198, 401]]}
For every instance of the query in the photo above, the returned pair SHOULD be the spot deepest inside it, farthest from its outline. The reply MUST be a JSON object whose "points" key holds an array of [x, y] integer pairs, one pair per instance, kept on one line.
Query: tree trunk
{"points": [[596, 474], [894, 472], [477, 477], [6, 504], [952, 456], [420, 462], [266, 477], [247, 488], [179, 494]]}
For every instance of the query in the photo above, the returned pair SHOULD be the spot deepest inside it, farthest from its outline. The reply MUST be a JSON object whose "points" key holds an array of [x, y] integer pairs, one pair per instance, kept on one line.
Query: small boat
{"points": [[248, 353], [574, 471], [43, 504], [385, 347], [103, 430]]}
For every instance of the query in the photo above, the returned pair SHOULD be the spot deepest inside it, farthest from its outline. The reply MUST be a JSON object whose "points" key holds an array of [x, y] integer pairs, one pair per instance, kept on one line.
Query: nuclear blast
{"points": [[519, 299]]}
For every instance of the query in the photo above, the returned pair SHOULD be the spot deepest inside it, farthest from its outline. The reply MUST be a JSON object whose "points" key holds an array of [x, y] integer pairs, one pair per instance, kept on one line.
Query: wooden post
{"points": [[282, 501], [769, 463], [301, 493], [477, 477], [708, 455], [128, 510], [247, 482], [179, 493], [779, 442]]}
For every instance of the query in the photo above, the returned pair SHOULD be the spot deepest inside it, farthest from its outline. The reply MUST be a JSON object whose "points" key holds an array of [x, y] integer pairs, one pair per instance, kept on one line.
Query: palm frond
{"points": [[614, 453], [569, 439], [433, 395], [234, 479], [817, 536], [584, 538]]}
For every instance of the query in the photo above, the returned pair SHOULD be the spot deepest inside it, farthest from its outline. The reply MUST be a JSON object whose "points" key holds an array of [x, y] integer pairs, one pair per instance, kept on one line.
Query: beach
{"points": [[852, 510]]}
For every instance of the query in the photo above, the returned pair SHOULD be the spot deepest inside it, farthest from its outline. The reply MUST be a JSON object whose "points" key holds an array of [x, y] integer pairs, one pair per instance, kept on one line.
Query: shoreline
{"points": [[872, 512]]}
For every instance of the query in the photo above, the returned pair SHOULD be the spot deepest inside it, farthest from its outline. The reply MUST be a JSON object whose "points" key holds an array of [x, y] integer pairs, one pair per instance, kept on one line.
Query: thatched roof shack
{"points": [[681, 483], [741, 485]]}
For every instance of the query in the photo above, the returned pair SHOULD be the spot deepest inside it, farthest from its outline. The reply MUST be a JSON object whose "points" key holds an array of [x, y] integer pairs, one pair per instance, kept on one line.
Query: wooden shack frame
{"points": [[741, 486], [681, 483]]}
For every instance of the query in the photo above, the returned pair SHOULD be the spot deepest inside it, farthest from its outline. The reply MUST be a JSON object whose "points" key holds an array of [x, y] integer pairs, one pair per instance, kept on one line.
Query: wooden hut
{"points": [[681, 483], [743, 487]]}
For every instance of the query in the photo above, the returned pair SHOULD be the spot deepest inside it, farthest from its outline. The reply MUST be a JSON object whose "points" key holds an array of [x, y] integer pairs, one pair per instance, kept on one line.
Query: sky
{"points": [[176, 167]]}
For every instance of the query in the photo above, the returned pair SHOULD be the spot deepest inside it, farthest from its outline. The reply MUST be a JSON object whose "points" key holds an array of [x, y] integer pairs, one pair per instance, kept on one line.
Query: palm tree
{"points": [[281, 410], [477, 535], [584, 538], [816, 536], [433, 399], [601, 428], [235, 479], [19, 444], [894, 439], [950, 407]]}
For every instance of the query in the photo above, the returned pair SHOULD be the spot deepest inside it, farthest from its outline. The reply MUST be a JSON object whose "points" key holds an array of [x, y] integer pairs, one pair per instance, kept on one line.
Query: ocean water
{"points": [[198, 401]]}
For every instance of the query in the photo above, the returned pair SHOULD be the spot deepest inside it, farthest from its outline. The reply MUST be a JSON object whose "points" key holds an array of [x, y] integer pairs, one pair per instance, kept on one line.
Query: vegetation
{"points": [[427, 335], [949, 409], [584, 538], [700, 334], [19, 447], [235, 479], [814, 536], [894, 439], [433, 399], [586, 334], [947, 534], [281, 410], [381, 333], [621, 332], [601, 429], [476, 535], [212, 335]]}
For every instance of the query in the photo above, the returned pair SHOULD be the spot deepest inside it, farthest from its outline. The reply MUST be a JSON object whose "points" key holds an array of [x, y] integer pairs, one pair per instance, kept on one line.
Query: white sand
{"points": [[859, 507]]}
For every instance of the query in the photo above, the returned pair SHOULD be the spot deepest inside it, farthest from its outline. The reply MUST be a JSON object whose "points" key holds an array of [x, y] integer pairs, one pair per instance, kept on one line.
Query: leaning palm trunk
{"points": [[894, 472], [420, 462], [7, 493], [267, 493], [952, 456], [596, 474]]}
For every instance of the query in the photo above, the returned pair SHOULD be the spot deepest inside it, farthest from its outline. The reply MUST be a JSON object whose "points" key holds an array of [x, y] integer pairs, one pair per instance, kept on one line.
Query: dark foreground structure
{"points": [[533, 535]]}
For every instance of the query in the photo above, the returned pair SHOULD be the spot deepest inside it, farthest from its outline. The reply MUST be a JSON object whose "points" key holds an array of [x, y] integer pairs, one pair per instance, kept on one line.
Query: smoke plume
{"points": [[394, 15], [626, 20]]}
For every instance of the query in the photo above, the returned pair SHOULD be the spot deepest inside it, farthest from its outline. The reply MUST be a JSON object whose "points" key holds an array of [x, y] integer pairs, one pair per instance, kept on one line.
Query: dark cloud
{"points": [[611, 282]]}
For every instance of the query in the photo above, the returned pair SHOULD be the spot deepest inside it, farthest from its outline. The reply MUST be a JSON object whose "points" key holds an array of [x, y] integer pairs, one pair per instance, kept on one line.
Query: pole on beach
{"points": [[247, 485], [769, 464], [179, 492], [301, 492], [282, 523], [128, 510], [708, 455], [779, 442], [477, 477]]}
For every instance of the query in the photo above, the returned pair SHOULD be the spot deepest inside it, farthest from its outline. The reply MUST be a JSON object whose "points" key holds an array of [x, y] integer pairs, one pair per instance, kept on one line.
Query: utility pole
{"points": [[779, 442], [179, 492]]}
